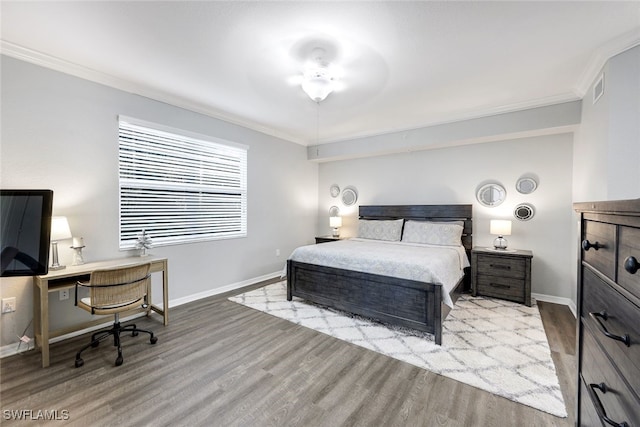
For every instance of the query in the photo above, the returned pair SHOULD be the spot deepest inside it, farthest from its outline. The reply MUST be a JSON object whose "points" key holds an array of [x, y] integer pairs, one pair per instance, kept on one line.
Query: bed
{"points": [[409, 302]]}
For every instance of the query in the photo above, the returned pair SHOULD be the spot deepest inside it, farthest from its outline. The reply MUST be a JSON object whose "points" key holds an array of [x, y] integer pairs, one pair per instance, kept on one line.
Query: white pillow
{"points": [[389, 230], [433, 233]]}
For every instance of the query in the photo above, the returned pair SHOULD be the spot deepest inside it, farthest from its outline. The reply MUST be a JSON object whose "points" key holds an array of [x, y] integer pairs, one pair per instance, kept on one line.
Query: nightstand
{"points": [[504, 274], [325, 239]]}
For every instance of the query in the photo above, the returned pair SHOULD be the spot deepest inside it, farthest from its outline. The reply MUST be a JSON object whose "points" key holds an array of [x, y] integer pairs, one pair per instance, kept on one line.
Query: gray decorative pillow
{"points": [[389, 230], [433, 233]]}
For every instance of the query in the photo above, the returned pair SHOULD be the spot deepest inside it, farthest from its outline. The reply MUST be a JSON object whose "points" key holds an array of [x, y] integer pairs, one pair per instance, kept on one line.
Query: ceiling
{"points": [[403, 65]]}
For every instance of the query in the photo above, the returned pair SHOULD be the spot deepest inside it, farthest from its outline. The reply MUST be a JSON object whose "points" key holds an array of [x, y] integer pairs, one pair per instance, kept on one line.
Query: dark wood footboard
{"points": [[408, 303]]}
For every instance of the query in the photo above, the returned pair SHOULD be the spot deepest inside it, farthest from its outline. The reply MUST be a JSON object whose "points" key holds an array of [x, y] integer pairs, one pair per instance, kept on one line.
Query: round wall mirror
{"points": [[491, 195], [524, 212], [334, 190], [334, 211], [349, 196], [526, 185]]}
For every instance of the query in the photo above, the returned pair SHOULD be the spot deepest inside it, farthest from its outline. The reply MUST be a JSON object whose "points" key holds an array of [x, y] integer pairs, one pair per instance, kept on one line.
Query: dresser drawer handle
{"points": [[586, 245], [631, 264], [500, 266], [599, 408], [603, 314], [499, 285]]}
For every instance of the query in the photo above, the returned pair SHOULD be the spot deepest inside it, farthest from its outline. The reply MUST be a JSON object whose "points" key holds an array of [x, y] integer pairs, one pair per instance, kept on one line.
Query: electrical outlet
{"points": [[64, 294], [8, 305]]}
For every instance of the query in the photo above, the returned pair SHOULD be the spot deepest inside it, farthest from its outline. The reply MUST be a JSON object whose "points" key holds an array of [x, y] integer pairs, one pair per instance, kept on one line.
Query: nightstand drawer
{"points": [[501, 287], [501, 266], [326, 239]]}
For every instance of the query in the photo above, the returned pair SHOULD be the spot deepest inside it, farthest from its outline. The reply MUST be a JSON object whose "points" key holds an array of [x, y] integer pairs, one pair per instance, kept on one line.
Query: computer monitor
{"points": [[25, 231]]}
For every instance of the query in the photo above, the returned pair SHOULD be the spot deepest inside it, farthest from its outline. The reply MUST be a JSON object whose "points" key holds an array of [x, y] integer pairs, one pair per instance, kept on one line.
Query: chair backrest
{"points": [[117, 286]]}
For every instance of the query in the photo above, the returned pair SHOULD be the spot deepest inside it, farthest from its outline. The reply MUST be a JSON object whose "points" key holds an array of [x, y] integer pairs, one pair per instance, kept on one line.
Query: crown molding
{"points": [[67, 67], [593, 69], [603, 54]]}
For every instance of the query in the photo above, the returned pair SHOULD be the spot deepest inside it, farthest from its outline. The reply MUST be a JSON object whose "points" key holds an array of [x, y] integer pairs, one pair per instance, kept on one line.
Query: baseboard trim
{"points": [[557, 300], [11, 349], [223, 289]]}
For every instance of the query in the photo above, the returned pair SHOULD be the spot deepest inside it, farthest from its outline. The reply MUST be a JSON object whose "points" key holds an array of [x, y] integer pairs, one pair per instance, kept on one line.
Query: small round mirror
{"points": [[524, 212], [491, 195], [334, 211], [526, 185], [349, 195], [334, 190]]}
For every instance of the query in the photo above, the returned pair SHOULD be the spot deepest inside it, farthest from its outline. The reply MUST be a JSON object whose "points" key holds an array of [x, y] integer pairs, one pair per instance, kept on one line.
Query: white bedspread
{"points": [[424, 263]]}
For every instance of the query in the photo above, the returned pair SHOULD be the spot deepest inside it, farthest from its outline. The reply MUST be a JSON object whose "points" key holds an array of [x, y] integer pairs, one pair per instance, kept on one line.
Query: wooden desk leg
{"points": [[37, 328], [165, 291], [44, 322]]}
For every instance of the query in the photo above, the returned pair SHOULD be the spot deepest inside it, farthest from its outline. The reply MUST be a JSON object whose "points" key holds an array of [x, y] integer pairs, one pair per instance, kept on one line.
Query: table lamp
{"points": [[335, 222], [59, 231], [500, 227]]}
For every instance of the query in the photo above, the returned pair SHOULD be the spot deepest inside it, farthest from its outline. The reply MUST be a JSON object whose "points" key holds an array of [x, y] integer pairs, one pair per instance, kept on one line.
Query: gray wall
{"points": [[60, 132], [452, 175]]}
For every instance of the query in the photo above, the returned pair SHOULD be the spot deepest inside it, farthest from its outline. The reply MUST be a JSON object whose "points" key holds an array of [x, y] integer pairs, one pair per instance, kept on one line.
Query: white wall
{"points": [[60, 132], [452, 175], [607, 149]]}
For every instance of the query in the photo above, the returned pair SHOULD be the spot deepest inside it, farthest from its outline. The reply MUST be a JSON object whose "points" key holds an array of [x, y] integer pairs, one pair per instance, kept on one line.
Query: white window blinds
{"points": [[179, 188]]}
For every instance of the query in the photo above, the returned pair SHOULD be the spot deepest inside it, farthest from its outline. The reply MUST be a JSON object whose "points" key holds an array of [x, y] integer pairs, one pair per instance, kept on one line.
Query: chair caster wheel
{"points": [[95, 344], [153, 340], [119, 360], [79, 363], [134, 333]]}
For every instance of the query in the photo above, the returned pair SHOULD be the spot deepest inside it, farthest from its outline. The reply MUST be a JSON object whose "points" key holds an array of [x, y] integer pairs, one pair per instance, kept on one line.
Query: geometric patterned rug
{"points": [[491, 344]]}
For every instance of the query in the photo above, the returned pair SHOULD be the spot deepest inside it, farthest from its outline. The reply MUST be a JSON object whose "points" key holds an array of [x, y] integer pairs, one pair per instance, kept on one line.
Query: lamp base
{"points": [[335, 232], [500, 243], [55, 265], [77, 255]]}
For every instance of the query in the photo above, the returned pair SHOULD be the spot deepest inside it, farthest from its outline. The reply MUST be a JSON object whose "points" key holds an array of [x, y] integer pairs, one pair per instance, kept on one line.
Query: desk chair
{"points": [[112, 291]]}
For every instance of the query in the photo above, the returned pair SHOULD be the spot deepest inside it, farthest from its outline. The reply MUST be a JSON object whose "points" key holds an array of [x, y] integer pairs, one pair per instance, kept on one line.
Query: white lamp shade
{"points": [[335, 221], [500, 227], [60, 228]]}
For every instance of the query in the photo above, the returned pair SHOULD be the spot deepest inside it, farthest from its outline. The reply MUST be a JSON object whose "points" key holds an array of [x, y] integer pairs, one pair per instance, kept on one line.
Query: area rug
{"points": [[494, 345]]}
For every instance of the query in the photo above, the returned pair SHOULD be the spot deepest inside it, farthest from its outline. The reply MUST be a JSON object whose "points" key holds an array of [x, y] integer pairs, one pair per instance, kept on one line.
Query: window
{"points": [[179, 188]]}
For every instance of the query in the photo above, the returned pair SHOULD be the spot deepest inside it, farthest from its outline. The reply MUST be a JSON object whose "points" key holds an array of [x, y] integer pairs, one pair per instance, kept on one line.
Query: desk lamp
{"points": [[59, 231]]}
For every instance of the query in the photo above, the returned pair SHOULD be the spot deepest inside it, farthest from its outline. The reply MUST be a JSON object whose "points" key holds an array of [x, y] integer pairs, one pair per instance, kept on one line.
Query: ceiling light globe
{"points": [[317, 83]]}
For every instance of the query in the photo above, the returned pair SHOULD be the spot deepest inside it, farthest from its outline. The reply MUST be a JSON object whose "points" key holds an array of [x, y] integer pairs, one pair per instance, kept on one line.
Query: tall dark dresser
{"points": [[609, 314]]}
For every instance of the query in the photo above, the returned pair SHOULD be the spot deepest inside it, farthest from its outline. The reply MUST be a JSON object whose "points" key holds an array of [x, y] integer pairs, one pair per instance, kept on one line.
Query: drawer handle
{"points": [[603, 314], [631, 264], [599, 408], [500, 266], [586, 245], [499, 285]]}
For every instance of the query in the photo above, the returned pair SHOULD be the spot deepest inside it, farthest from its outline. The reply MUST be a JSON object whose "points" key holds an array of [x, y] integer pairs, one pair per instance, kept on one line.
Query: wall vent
{"points": [[598, 88]]}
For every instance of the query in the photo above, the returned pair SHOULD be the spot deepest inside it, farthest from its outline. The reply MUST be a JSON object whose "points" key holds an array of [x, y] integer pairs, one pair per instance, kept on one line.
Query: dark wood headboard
{"points": [[434, 213]]}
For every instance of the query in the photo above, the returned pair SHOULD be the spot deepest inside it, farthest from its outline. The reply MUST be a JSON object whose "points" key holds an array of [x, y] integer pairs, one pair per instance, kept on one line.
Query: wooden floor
{"points": [[222, 364]]}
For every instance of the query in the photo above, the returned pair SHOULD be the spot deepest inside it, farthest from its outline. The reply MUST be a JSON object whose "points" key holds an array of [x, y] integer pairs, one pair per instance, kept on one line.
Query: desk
{"points": [[66, 279]]}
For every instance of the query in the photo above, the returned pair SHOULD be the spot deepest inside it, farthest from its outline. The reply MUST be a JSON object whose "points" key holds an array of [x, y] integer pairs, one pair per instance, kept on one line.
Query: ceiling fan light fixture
{"points": [[318, 76], [317, 83]]}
